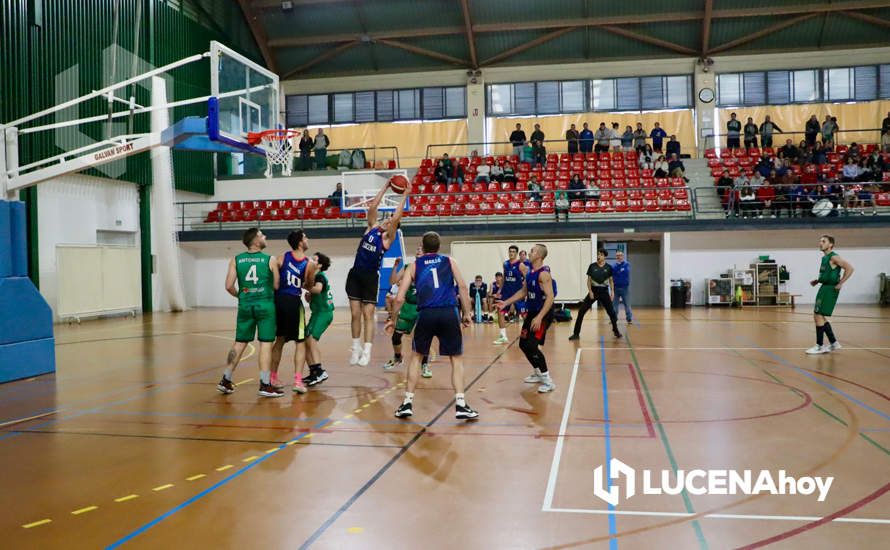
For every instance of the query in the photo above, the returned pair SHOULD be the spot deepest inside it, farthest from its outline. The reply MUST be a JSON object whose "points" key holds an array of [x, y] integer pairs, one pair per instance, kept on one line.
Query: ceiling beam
{"points": [[259, 34], [267, 5], [296, 42], [649, 40], [333, 52], [528, 45], [471, 40], [868, 18], [422, 51], [706, 27], [356, 7], [762, 32]]}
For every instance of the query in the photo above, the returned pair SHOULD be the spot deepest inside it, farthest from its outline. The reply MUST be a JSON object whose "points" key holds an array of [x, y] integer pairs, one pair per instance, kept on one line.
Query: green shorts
{"points": [[256, 320], [407, 318], [826, 299], [318, 323]]}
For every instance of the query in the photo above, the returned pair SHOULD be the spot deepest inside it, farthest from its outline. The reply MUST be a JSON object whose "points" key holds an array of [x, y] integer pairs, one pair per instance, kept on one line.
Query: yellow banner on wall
{"points": [[411, 138]]}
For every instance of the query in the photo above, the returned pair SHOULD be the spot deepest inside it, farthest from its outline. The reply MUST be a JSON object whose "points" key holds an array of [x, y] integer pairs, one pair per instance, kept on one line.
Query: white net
{"points": [[279, 147]]}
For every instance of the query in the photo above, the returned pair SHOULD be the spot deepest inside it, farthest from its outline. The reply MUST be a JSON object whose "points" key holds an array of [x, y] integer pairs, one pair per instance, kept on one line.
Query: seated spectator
{"points": [[602, 137], [449, 165], [335, 198], [865, 196], [539, 152], [797, 201], [820, 155], [509, 173], [528, 155], [756, 180], [577, 189], [460, 175], [850, 172], [535, 189], [483, 173], [646, 158], [474, 158], [724, 188], [572, 137], [657, 134], [440, 173], [593, 190], [497, 172], [766, 194], [788, 151], [764, 166], [615, 137], [676, 168], [741, 181], [627, 139], [672, 147], [561, 204], [640, 137], [854, 151], [661, 167], [748, 203], [885, 134], [805, 153]]}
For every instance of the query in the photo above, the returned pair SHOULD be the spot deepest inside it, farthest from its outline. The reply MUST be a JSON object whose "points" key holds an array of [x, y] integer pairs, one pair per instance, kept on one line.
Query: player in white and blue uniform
{"points": [[538, 291], [440, 314]]}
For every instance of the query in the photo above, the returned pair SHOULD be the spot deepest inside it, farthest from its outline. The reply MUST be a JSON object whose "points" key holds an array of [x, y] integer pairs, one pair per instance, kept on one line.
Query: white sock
{"points": [[503, 333], [409, 397], [356, 343], [265, 377], [228, 374], [545, 376], [367, 349], [459, 400]]}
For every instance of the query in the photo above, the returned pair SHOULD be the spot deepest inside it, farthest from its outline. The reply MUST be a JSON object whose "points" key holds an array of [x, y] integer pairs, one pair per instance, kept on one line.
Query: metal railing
{"points": [[847, 198], [256, 167], [561, 147], [871, 135]]}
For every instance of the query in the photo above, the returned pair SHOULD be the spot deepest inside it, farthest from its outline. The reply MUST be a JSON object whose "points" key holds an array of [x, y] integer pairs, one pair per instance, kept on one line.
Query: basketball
{"points": [[398, 183]]}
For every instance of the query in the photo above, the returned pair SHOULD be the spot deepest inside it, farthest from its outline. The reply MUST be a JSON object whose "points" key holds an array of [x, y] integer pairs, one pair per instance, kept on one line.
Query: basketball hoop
{"points": [[279, 147]]}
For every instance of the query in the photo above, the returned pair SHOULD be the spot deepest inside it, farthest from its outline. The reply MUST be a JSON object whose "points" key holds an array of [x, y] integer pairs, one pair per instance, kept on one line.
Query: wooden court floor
{"points": [[130, 444]]}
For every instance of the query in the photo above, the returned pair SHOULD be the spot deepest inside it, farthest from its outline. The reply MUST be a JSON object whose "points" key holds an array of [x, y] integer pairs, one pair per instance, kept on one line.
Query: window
{"points": [[318, 109], [385, 105], [364, 107], [500, 99], [804, 86], [729, 89], [296, 110], [456, 102], [778, 87], [524, 98], [754, 86], [344, 109], [547, 97], [627, 91], [602, 93], [433, 103], [678, 91], [572, 97], [838, 84], [884, 81], [408, 104], [865, 83], [652, 92]]}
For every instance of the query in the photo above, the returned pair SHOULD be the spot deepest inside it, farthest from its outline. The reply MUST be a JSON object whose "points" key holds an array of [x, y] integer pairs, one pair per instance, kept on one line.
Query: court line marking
{"points": [[194, 477], [717, 516], [613, 527], [84, 510], [162, 487], [37, 523], [126, 498], [560, 437], [712, 348]]}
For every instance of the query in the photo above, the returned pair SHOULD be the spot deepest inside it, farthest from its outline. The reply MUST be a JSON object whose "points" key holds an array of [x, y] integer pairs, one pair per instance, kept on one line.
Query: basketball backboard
{"points": [[361, 186]]}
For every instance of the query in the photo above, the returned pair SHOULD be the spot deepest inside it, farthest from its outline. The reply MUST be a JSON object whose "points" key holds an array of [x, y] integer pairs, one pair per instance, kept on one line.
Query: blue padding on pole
{"points": [[27, 359], [213, 118], [5, 241], [18, 238], [24, 314], [395, 251]]}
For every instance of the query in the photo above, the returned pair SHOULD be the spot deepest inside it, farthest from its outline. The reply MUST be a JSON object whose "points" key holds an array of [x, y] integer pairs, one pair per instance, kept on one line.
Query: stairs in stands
{"points": [[708, 205]]}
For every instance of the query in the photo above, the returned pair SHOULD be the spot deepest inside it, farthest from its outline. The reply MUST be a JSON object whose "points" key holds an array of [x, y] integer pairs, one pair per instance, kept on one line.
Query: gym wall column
{"points": [[704, 112], [476, 114]]}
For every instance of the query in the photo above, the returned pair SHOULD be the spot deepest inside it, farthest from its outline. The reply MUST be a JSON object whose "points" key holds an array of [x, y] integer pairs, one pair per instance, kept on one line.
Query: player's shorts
{"points": [[290, 318], [826, 299], [538, 335], [407, 318], [505, 294], [318, 323], [362, 285], [442, 323], [256, 320]]}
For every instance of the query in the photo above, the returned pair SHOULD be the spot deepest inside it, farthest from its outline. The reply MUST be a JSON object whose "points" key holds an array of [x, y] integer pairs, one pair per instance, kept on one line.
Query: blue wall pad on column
{"points": [[18, 237], [5, 241], [27, 359]]}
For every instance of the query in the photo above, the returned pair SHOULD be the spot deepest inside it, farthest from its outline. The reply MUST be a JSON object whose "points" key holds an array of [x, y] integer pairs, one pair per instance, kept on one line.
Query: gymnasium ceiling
{"points": [[318, 38]]}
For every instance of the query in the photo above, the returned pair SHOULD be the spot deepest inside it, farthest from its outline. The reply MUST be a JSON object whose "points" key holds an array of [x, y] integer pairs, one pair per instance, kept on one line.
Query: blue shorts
{"points": [[442, 323]]}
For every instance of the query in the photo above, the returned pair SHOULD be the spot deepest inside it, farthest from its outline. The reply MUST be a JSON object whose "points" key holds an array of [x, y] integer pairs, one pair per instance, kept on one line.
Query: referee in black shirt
{"points": [[599, 287]]}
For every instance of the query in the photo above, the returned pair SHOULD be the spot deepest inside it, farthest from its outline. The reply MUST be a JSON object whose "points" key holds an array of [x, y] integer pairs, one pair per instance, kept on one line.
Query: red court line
{"points": [[643, 408], [813, 524]]}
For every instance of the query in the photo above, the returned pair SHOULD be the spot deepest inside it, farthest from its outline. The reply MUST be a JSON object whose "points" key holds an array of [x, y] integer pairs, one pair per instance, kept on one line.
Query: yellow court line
{"points": [[126, 498], [356, 411], [372, 401], [307, 436], [36, 523], [347, 417], [163, 487], [84, 510], [336, 422], [244, 381], [250, 459], [355, 530], [272, 450], [250, 349], [294, 442], [194, 477], [366, 405], [224, 468]]}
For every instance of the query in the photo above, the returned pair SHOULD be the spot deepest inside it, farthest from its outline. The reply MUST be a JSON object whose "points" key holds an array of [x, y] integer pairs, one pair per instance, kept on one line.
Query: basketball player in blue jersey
{"points": [[297, 272], [363, 280], [538, 292], [527, 264], [434, 277], [513, 274]]}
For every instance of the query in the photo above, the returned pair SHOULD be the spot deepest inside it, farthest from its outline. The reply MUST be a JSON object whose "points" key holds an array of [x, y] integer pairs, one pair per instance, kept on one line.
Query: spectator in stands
{"points": [[640, 137], [497, 172], [593, 190], [811, 130], [440, 174], [766, 195], [820, 154], [877, 165], [767, 128], [537, 135], [850, 171], [335, 198], [748, 203], [657, 134], [586, 139], [797, 201], [733, 130], [647, 158], [805, 153], [483, 173], [741, 181], [539, 152], [724, 189], [615, 138], [322, 142], [627, 139], [788, 151], [449, 164], [885, 134], [577, 189], [854, 151], [517, 138], [829, 128], [756, 180], [751, 132], [572, 137], [660, 167], [764, 166], [561, 204], [672, 147], [509, 173], [534, 189], [528, 153], [866, 195], [602, 137], [306, 145], [676, 168], [460, 174]]}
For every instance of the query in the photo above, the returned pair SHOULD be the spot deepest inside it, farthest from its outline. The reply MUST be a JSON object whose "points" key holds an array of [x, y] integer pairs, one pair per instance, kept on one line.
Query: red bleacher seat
{"points": [[635, 205], [606, 206], [547, 207], [485, 208], [500, 208], [682, 205], [531, 207], [651, 205], [591, 206], [213, 216]]}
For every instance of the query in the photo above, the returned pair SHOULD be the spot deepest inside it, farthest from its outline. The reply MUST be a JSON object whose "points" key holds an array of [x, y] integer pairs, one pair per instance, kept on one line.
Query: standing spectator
{"points": [[517, 138], [602, 135], [750, 134], [527, 153], [660, 167], [676, 168], [733, 130], [577, 189], [627, 139], [639, 137], [829, 128], [537, 135], [885, 134], [534, 189], [647, 158], [586, 139], [672, 147], [572, 137], [539, 152], [615, 139], [811, 131], [767, 128], [306, 145], [658, 134], [335, 198], [322, 142], [621, 279]]}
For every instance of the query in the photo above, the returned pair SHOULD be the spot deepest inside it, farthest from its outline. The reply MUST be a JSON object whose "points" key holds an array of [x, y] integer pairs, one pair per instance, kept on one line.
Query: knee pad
{"points": [[397, 338]]}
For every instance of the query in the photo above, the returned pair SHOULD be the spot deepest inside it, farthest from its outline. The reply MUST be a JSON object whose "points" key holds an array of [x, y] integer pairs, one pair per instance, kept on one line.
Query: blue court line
{"points": [[613, 528], [812, 377], [205, 492]]}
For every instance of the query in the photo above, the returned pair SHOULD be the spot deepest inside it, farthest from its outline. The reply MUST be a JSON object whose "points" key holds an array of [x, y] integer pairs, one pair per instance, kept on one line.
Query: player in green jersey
{"points": [[322, 307], [256, 275], [826, 298], [406, 318]]}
